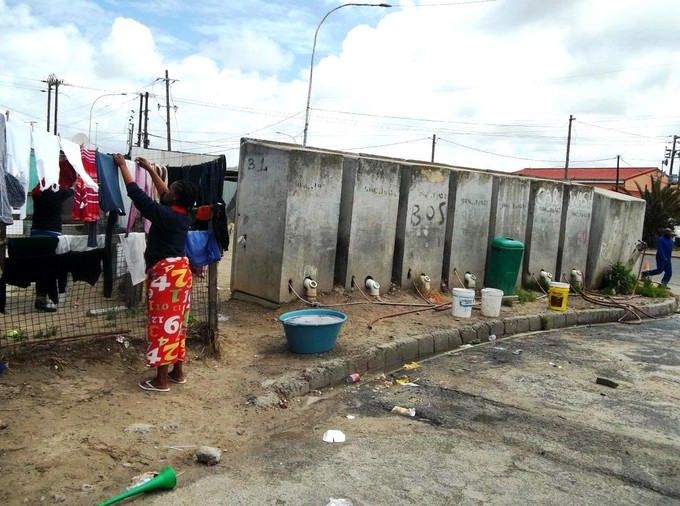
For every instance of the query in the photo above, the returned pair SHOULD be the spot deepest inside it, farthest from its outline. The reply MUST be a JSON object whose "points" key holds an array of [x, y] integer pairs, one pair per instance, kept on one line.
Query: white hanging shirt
{"points": [[18, 156], [72, 152], [46, 148]]}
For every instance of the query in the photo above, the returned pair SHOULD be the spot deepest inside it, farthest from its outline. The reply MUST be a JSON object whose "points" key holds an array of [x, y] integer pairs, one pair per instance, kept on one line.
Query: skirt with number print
{"points": [[168, 285]]}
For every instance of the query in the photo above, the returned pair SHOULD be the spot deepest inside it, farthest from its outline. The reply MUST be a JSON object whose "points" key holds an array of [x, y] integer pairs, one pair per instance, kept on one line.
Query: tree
{"points": [[663, 208]]}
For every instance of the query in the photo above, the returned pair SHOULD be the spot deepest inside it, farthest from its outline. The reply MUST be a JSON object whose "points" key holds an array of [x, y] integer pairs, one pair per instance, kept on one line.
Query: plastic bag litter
{"points": [[412, 365], [340, 502], [334, 436]]}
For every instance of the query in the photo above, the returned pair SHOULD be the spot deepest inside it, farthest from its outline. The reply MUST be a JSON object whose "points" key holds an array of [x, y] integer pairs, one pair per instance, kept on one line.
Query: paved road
{"points": [[494, 425], [675, 279]]}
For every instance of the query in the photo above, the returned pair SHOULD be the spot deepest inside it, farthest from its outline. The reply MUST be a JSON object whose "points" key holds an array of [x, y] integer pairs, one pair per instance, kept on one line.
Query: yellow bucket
{"points": [[558, 295]]}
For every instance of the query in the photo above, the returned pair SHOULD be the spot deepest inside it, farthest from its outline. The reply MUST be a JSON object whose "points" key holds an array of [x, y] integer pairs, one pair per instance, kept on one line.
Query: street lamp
{"points": [[89, 128], [288, 135], [311, 66]]}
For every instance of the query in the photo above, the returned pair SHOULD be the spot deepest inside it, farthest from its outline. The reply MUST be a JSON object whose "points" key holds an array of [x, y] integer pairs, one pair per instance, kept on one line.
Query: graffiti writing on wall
{"points": [[580, 204], [258, 165], [432, 214], [549, 201], [373, 190], [514, 207], [309, 185]]}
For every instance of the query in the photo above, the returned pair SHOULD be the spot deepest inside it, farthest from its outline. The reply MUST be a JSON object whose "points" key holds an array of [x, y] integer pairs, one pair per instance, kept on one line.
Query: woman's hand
{"points": [[143, 163], [120, 160]]}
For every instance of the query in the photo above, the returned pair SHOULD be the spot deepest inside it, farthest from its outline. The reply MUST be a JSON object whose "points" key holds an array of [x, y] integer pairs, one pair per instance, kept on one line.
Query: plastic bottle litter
{"points": [[353, 378], [404, 411], [492, 337]]}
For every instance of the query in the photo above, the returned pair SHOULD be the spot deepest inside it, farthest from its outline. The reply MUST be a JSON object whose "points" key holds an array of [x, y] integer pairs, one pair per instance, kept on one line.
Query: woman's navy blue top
{"points": [[169, 227]]}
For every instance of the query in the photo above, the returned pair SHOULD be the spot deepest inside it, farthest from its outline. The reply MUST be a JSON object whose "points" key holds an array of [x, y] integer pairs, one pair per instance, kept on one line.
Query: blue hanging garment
{"points": [[110, 198]]}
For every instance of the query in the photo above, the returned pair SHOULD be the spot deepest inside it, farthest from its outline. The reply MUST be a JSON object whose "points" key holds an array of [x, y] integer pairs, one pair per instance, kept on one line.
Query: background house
{"points": [[602, 177]]}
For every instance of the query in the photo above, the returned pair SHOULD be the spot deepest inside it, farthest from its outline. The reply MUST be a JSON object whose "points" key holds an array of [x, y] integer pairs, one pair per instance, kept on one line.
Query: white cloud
{"points": [[249, 51], [128, 51]]}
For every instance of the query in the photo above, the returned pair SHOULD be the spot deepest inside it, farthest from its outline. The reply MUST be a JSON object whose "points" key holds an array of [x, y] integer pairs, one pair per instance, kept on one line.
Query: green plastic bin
{"points": [[504, 264]]}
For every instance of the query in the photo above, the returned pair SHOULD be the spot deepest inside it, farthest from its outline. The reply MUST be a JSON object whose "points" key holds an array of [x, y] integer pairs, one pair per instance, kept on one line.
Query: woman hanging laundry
{"points": [[168, 277]]}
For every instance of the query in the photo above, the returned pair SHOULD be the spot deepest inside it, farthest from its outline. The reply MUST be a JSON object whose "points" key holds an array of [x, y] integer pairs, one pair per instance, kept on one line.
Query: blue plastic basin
{"points": [[312, 330]]}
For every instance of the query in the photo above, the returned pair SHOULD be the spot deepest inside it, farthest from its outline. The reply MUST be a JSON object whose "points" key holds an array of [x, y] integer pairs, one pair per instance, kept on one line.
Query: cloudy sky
{"points": [[494, 81]]}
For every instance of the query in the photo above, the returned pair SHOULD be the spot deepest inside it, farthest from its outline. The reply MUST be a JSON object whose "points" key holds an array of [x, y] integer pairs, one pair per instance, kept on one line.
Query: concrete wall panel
{"points": [[313, 209], [511, 207], [257, 244], [288, 203], [616, 227], [579, 209], [368, 221], [543, 232], [421, 224], [470, 234]]}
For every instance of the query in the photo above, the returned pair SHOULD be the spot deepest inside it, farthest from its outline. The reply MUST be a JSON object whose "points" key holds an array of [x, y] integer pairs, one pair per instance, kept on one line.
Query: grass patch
{"points": [[525, 295], [48, 332], [649, 289], [16, 334]]}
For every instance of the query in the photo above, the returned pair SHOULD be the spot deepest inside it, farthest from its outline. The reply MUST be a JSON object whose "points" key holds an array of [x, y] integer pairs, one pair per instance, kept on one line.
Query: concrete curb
{"points": [[393, 355]]}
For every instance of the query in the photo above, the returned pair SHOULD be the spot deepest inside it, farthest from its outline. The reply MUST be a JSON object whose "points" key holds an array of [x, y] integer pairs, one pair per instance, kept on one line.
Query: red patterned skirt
{"points": [[168, 285]]}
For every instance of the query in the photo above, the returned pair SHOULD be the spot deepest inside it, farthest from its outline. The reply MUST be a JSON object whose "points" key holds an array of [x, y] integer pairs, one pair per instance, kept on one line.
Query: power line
{"points": [[384, 145], [619, 131]]}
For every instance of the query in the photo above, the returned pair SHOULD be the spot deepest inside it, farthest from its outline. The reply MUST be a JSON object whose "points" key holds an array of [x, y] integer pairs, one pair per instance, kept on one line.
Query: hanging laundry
{"points": [[46, 148], [209, 179], [110, 198], [18, 150], [86, 199], [145, 183], [67, 175], [76, 159], [5, 207]]}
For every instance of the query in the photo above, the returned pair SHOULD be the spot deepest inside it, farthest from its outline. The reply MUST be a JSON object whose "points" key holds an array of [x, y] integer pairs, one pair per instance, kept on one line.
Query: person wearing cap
{"points": [[664, 254]]}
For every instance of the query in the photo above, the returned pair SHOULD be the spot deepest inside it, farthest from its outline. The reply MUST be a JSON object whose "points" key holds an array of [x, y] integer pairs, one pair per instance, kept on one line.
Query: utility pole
{"points": [[139, 130], [167, 107], [49, 103], [434, 141], [146, 120], [618, 159], [673, 151], [57, 82], [51, 81], [131, 131], [566, 164]]}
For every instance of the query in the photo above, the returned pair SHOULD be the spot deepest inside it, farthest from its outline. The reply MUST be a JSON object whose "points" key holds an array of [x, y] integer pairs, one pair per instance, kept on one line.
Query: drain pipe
{"points": [[373, 286], [310, 286]]}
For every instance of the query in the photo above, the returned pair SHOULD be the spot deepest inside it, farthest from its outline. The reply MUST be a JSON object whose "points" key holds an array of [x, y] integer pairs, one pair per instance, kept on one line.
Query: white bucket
{"points": [[462, 302], [491, 301]]}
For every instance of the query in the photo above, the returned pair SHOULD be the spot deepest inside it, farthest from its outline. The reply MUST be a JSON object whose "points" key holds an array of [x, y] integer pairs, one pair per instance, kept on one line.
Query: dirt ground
{"points": [[76, 428]]}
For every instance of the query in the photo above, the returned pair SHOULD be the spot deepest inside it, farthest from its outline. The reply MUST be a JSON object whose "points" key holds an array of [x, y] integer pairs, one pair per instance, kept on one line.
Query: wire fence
{"points": [[109, 306]]}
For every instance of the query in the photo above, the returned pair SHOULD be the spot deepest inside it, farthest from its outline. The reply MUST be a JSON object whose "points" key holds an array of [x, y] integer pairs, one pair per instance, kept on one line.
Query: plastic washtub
{"points": [[312, 330]]}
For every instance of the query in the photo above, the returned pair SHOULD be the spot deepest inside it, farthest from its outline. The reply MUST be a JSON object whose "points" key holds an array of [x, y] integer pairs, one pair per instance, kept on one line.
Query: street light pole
{"points": [[288, 135], [311, 65], [89, 128]]}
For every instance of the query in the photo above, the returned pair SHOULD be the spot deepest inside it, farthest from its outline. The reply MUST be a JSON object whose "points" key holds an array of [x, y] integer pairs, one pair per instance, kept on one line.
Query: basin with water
{"points": [[312, 330]]}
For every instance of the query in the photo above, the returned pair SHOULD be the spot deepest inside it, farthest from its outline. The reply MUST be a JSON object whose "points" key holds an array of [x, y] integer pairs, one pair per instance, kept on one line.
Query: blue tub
{"points": [[312, 330]]}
